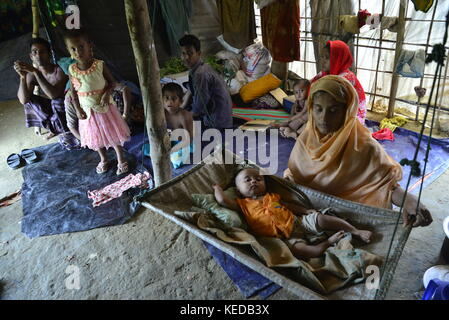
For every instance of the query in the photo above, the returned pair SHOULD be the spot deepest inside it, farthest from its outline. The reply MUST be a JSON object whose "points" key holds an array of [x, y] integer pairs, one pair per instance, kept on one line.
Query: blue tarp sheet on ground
{"points": [[54, 192]]}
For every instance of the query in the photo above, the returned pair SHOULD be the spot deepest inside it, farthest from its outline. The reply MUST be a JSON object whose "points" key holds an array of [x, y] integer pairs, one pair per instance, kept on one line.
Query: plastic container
{"points": [[437, 290]]}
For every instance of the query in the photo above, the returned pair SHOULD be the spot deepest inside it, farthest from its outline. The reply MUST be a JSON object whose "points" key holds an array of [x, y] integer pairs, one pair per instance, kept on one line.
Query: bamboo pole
{"points": [[36, 18], [427, 46], [399, 42], [378, 58], [141, 34]]}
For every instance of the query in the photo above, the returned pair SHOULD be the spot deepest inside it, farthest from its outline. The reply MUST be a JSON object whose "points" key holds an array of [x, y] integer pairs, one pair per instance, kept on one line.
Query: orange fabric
{"points": [[348, 163], [267, 217]]}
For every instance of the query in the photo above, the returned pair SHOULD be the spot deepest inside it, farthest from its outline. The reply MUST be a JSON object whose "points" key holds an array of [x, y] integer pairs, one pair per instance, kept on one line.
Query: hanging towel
{"points": [[411, 63], [422, 5], [349, 23], [390, 23], [280, 29], [238, 23], [393, 123]]}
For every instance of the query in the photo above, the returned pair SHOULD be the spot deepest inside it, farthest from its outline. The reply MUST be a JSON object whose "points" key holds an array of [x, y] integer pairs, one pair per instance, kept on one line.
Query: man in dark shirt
{"points": [[209, 98]]}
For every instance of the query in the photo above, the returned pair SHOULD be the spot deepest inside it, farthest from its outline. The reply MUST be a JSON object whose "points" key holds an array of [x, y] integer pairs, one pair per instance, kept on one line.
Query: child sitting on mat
{"points": [[298, 115], [268, 216], [178, 118], [100, 124]]}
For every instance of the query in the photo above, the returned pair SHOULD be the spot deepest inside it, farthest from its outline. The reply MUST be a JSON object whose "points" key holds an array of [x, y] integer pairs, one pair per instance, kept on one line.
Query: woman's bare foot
{"points": [[363, 235]]}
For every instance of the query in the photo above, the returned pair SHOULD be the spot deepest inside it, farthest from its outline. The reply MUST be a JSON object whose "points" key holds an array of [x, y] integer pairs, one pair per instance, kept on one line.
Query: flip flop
{"points": [[14, 161], [29, 156], [122, 168], [102, 167]]}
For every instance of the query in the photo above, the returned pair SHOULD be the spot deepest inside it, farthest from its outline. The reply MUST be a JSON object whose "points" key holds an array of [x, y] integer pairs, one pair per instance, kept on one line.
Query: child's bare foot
{"points": [[363, 235]]}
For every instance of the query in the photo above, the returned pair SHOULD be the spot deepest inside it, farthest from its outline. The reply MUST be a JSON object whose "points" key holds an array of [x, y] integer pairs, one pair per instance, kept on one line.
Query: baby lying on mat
{"points": [[267, 215]]}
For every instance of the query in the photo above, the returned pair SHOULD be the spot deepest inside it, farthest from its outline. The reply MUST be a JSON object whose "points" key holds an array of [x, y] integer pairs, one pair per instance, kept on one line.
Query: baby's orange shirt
{"points": [[267, 217]]}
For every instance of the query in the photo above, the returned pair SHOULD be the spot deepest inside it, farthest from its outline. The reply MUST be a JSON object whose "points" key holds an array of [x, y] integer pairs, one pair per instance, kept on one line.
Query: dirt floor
{"points": [[149, 257]]}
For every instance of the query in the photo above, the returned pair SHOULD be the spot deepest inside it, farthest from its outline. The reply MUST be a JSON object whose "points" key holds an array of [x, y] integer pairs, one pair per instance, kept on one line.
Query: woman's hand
{"points": [[413, 213], [416, 213]]}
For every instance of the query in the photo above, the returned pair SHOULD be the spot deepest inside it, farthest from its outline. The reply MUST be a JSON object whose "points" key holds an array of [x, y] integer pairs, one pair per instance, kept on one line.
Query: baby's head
{"points": [[250, 183], [78, 44], [301, 89], [172, 96]]}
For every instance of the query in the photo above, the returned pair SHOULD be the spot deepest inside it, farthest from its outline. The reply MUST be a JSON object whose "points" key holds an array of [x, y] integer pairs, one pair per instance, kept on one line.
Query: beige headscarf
{"points": [[348, 163]]}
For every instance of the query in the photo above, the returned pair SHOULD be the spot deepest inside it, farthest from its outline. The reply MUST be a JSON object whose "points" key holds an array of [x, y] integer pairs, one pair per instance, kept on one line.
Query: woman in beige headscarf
{"points": [[336, 154]]}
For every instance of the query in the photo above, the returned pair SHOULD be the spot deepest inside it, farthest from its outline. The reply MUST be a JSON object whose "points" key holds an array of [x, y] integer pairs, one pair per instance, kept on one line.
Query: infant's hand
{"points": [[217, 187], [336, 237]]}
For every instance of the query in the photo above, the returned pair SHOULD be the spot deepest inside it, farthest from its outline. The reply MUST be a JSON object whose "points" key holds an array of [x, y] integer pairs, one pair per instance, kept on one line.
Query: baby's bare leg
{"points": [[331, 223]]}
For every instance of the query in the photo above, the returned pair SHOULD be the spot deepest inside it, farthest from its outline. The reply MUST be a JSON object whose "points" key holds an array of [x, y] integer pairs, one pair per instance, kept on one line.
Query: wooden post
{"points": [[141, 35], [399, 42], [36, 20]]}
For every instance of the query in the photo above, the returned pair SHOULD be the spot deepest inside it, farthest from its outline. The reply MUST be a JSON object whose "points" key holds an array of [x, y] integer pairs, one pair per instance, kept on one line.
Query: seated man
{"points": [[46, 109], [209, 97]]}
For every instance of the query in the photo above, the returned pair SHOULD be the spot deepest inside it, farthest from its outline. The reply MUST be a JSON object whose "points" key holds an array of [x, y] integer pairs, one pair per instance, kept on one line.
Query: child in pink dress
{"points": [[100, 124]]}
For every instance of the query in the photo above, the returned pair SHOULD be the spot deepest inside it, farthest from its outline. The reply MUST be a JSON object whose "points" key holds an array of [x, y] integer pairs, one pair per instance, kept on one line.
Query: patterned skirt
{"points": [[45, 113]]}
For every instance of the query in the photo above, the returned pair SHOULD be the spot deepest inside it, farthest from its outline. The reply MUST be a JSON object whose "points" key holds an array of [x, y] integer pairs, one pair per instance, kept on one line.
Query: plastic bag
{"points": [[256, 61]]}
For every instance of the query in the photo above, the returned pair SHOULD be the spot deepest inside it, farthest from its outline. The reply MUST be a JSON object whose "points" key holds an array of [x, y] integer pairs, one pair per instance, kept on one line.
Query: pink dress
{"points": [[104, 126]]}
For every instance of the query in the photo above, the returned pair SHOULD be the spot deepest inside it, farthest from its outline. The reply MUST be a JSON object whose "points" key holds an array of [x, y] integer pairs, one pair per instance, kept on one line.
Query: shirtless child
{"points": [[298, 116], [177, 117], [268, 216]]}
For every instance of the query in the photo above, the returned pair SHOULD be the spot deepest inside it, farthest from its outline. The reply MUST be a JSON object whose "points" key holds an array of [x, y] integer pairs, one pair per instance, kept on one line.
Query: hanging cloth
{"points": [[238, 23], [362, 16], [390, 23], [411, 63], [422, 5], [349, 23], [280, 29], [176, 14]]}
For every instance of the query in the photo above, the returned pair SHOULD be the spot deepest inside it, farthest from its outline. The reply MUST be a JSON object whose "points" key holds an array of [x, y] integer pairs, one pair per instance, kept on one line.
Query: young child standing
{"points": [[100, 124], [298, 115], [178, 118], [267, 215]]}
